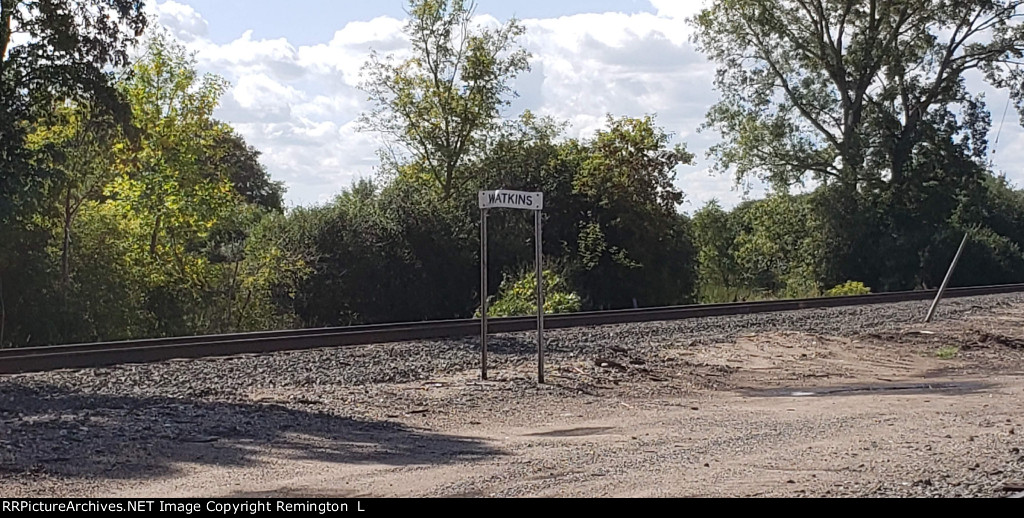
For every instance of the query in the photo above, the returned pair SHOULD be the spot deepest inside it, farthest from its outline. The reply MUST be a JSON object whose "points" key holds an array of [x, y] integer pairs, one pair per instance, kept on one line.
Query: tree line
{"points": [[127, 210]]}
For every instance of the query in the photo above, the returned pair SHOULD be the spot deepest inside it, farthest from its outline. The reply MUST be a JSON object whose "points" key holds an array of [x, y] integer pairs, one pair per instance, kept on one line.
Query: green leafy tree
{"points": [[230, 156], [870, 99], [75, 143], [162, 180], [633, 246], [252, 276], [182, 217], [438, 104], [714, 237], [383, 255], [845, 89], [776, 247], [526, 154], [610, 209], [63, 49], [50, 50]]}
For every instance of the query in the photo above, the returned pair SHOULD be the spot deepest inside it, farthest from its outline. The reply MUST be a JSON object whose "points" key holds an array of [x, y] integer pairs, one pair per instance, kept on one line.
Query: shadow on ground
{"points": [[878, 389], [48, 430]]}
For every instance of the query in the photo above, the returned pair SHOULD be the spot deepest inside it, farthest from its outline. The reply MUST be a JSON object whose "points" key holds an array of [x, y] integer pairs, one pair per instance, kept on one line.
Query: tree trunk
{"points": [[153, 237], [904, 147], [6, 13], [65, 252], [232, 288]]}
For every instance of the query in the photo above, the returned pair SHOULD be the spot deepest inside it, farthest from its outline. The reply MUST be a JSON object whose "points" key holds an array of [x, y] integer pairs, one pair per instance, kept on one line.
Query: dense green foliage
{"points": [[518, 296], [127, 210], [849, 289], [161, 226], [67, 46], [782, 246], [403, 251], [867, 99]]}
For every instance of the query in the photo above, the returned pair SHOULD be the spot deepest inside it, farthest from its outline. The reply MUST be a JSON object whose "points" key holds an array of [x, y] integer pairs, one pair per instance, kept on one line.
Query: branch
{"points": [[792, 95], [7, 8]]}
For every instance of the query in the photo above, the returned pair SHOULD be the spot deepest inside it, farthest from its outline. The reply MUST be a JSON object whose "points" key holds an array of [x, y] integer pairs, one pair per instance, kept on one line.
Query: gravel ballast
{"points": [[415, 361], [138, 421]]}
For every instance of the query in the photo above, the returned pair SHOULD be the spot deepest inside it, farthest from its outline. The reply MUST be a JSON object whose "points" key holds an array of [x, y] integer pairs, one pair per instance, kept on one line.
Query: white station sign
{"points": [[512, 200]]}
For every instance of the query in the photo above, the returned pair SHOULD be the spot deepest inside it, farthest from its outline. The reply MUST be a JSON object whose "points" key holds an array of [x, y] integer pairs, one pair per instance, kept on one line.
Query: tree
{"points": [[383, 255], [172, 105], [714, 237], [50, 50], [611, 209], [232, 157], [172, 209], [74, 141], [63, 51], [633, 247], [437, 104], [776, 246], [846, 89]]}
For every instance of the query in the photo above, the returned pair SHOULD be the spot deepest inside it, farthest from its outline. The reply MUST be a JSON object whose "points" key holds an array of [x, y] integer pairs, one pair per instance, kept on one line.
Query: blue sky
{"points": [[295, 69]]}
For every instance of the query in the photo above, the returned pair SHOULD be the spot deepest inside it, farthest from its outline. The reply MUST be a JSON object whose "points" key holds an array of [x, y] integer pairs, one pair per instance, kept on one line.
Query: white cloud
{"points": [[182, 20], [678, 9], [259, 93], [298, 103]]}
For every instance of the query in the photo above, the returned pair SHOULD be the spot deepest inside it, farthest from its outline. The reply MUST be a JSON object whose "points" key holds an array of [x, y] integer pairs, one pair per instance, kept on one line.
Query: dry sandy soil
{"points": [[936, 411]]}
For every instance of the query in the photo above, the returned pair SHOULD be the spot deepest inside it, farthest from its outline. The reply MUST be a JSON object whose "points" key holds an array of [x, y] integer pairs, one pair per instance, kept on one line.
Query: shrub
{"points": [[849, 289], [518, 297]]}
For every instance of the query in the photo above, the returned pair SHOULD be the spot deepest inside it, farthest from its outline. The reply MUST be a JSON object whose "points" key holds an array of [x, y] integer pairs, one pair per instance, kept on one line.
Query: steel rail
{"points": [[39, 359]]}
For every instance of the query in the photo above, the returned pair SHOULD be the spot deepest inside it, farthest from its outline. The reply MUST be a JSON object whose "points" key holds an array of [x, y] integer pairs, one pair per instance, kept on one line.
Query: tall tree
{"points": [[714, 235], [76, 142], [633, 247], [172, 105], [232, 157], [845, 89], [49, 50], [437, 104], [53, 49]]}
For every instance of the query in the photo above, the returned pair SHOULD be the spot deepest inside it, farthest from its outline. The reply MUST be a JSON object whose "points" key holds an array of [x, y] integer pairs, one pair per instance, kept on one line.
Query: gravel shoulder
{"points": [[835, 402]]}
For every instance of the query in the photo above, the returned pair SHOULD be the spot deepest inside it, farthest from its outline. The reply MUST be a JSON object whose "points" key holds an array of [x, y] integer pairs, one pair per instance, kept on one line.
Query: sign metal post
{"points": [[945, 282], [532, 201], [540, 299], [483, 294]]}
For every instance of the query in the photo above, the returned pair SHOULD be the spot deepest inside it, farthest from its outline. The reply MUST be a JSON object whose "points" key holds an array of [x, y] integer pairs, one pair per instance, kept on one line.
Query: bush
{"points": [[849, 289], [518, 297]]}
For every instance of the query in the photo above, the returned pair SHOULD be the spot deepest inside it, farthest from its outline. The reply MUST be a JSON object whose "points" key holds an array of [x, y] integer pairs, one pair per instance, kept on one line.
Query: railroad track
{"points": [[41, 359]]}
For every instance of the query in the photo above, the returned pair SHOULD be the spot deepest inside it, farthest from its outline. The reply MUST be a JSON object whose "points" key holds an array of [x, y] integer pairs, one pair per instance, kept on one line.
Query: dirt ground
{"points": [[936, 411]]}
